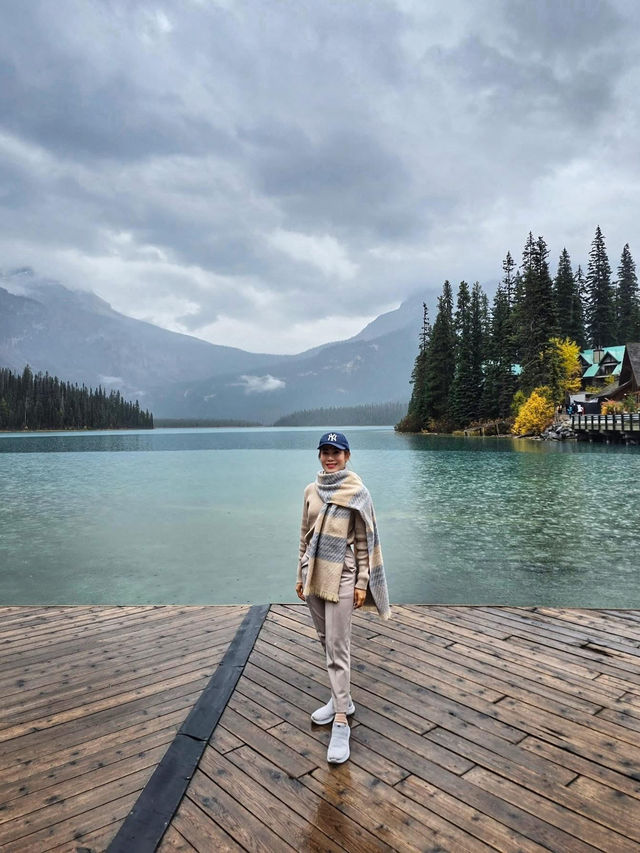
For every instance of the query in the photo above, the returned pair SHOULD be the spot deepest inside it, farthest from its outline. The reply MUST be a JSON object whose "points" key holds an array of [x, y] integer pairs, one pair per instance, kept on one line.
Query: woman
{"points": [[340, 568]]}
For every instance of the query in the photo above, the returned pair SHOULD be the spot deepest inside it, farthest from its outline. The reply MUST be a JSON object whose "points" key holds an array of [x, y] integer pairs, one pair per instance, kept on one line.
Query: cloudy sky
{"points": [[272, 174]]}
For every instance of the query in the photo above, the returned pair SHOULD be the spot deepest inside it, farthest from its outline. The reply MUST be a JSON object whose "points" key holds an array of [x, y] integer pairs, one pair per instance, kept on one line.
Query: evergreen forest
{"points": [[40, 401], [479, 362], [368, 414]]}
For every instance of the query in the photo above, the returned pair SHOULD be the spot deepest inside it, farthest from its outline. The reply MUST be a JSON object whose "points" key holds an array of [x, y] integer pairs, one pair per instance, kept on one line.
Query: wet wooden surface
{"points": [[476, 728], [91, 699]]}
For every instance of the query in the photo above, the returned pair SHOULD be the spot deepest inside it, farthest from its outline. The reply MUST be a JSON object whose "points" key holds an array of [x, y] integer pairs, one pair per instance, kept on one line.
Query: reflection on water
{"points": [[212, 516]]}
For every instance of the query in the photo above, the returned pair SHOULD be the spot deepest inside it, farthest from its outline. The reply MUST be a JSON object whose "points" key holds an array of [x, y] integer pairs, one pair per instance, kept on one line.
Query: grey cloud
{"points": [[345, 181], [552, 29], [163, 146]]}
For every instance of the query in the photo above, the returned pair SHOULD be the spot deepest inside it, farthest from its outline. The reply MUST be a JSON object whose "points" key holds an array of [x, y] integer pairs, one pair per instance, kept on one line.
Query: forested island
{"points": [[31, 401], [516, 360]]}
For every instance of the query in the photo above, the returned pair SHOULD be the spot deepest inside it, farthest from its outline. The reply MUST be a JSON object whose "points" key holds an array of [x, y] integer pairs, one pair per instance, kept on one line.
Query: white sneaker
{"points": [[338, 751], [324, 715]]}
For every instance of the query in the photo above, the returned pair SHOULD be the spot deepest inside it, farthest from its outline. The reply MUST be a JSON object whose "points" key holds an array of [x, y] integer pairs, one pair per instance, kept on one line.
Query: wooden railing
{"points": [[606, 423]]}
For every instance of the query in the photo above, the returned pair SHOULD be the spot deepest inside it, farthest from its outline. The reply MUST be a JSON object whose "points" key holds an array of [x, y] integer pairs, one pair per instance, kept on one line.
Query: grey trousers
{"points": [[332, 621]]}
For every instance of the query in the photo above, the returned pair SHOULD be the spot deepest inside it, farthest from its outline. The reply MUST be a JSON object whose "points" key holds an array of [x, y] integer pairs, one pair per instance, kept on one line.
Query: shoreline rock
{"points": [[558, 432]]}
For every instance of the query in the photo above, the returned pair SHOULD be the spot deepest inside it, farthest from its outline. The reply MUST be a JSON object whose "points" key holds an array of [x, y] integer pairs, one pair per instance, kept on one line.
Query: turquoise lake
{"points": [[212, 516]]}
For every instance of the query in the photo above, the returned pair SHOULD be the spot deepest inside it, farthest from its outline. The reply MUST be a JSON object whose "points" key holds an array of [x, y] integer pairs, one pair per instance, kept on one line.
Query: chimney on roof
{"points": [[598, 352]]}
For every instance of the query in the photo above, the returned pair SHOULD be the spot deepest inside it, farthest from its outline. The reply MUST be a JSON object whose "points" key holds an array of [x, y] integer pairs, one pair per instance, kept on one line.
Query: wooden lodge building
{"points": [[617, 369]]}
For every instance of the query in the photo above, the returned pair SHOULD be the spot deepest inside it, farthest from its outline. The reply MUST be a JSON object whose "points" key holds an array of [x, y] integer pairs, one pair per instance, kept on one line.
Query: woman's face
{"points": [[332, 458]]}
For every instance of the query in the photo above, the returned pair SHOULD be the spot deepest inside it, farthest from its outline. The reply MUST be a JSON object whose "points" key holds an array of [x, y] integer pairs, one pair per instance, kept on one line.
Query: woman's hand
{"points": [[299, 592], [359, 596]]}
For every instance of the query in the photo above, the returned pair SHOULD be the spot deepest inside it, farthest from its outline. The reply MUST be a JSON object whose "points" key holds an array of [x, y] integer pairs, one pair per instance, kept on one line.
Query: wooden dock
{"points": [[476, 729], [621, 428]]}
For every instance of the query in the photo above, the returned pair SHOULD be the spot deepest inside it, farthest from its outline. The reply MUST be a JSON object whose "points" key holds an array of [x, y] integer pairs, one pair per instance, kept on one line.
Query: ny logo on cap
{"points": [[333, 436]]}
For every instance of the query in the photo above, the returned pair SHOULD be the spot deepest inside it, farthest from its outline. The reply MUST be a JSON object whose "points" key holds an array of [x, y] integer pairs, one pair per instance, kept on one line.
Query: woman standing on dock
{"points": [[338, 519]]}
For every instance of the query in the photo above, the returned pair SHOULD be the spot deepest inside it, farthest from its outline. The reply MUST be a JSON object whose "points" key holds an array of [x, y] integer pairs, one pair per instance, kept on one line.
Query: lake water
{"points": [[212, 516]]}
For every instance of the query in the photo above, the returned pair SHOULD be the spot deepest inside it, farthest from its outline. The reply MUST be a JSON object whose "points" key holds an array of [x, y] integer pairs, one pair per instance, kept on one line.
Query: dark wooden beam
{"points": [[148, 820]]}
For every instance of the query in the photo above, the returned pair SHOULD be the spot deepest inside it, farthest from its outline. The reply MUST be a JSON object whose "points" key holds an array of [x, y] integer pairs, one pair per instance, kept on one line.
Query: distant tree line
{"points": [[369, 414], [480, 363], [40, 401], [203, 422]]}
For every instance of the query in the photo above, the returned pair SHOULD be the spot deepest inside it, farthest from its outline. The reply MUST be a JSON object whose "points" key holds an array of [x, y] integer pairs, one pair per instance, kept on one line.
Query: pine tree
{"points": [[535, 315], [600, 313], [567, 301], [509, 279], [416, 417], [478, 329], [441, 362], [627, 302], [500, 382], [463, 389]]}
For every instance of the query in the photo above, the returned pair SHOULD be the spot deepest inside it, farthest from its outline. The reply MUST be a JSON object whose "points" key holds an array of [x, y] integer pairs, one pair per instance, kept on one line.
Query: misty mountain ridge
{"points": [[77, 336]]}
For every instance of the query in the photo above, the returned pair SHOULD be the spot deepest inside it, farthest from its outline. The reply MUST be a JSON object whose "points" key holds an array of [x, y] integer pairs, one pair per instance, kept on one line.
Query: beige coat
{"points": [[356, 538]]}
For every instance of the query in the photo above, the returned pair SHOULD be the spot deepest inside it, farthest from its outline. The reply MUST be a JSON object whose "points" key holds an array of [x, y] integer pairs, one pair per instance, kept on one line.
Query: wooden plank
{"points": [[620, 685], [570, 686], [384, 700], [223, 740], [323, 818], [78, 731], [594, 730], [266, 744], [145, 825], [84, 645], [628, 718], [451, 667], [37, 810], [104, 688], [495, 754], [89, 842], [84, 671], [383, 681], [363, 798], [546, 625], [200, 675], [53, 822], [199, 830], [267, 808], [46, 621], [564, 757], [253, 711], [78, 739], [609, 806], [151, 621], [591, 623], [33, 791], [173, 842], [95, 651], [313, 743], [89, 832], [568, 821], [238, 822], [469, 820]]}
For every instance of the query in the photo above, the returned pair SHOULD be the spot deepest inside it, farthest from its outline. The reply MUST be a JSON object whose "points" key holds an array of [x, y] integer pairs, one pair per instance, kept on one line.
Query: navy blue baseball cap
{"points": [[336, 439]]}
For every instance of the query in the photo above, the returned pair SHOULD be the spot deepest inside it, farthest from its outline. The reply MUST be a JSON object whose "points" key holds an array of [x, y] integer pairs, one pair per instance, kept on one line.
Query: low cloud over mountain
{"points": [[80, 338]]}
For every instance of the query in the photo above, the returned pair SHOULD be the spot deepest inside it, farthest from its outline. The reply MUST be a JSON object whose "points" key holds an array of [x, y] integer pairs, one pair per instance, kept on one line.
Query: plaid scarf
{"points": [[343, 492]]}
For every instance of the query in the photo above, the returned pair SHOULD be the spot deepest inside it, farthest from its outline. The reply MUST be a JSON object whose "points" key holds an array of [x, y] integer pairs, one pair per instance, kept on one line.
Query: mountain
{"points": [[80, 338], [373, 366], [347, 373]]}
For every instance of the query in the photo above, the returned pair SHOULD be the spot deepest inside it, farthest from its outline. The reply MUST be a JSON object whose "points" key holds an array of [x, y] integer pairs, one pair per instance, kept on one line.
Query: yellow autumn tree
{"points": [[564, 368], [536, 413]]}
